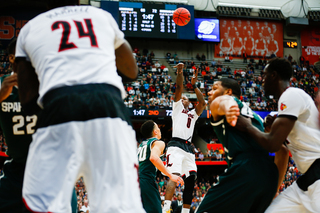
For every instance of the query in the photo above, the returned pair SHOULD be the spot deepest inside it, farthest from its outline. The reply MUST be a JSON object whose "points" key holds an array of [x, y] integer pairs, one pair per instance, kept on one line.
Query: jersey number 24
{"points": [[65, 44]]}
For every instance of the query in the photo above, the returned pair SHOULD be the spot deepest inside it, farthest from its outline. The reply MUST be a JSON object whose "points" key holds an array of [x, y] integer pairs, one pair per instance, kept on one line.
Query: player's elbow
{"points": [[153, 159], [273, 147], [202, 103]]}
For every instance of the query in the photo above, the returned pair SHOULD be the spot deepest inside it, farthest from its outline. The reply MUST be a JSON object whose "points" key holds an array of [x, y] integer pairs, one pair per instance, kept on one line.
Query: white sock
{"points": [[166, 206], [184, 210]]}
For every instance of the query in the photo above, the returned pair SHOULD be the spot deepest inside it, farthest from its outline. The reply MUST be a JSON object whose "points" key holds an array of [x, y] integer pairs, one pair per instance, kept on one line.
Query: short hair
{"points": [[61, 3], [230, 83], [12, 46], [282, 67], [147, 128]]}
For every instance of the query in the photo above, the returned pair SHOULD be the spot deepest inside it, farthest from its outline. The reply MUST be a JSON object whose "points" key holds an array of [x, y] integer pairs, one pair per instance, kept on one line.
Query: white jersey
{"points": [[304, 139], [72, 45], [183, 121]]}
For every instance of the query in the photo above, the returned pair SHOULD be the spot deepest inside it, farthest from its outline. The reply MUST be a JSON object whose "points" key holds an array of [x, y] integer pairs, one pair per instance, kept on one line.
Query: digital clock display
{"points": [[149, 20], [156, 22], [290, 44]]}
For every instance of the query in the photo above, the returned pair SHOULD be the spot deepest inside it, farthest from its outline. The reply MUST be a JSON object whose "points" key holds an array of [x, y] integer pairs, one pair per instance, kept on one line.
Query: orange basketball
{"points": [[181, 16]]}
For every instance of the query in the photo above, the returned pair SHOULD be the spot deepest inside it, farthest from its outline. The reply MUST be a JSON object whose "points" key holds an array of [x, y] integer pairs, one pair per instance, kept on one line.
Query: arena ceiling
{"points": [[288, 7]]}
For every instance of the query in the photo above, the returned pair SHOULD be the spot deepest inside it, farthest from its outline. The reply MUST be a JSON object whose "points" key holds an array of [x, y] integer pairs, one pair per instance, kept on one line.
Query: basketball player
{"points": [[83, 127], [17, 129], [297, 122], [260, 46], [180, 154], [225, 45], [237, 44], [149, 153], [249, 44], [272, 45], [247, 161]]}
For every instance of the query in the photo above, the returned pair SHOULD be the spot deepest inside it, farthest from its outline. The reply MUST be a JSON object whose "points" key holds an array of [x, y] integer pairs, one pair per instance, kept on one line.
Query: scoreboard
{"points": [[149, 20]]}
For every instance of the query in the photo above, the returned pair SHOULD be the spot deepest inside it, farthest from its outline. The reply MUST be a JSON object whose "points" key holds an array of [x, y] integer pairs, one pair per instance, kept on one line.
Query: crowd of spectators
{"points": [[211, 154], [4, 62], [201, 187], [305, 76], [291, 175], [82, 196], [154, 88]]}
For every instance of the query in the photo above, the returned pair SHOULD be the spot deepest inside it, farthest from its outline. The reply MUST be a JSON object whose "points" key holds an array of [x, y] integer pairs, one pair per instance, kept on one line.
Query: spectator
{"points": [[203, 57], [85, 208]]}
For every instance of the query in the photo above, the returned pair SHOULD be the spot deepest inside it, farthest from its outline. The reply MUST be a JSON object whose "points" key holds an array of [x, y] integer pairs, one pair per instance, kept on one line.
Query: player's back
{"points": [[236, 142], [304, 138], [146, 168], [72, 45]]}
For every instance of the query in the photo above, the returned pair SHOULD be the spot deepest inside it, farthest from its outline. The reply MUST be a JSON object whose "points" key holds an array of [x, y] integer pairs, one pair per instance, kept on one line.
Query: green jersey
{"points": [[146, 167], [16, 126], [235, 141]]}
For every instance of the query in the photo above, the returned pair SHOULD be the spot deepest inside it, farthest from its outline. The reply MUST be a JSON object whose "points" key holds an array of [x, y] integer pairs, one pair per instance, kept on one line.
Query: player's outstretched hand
{"points": [[232, 115], [177, 179], [195, 77], [268, 121], [242, 123], [179, 68], [6, 86]]}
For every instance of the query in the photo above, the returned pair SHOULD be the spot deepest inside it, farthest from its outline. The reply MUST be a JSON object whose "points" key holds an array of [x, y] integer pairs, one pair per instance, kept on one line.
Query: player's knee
{"points": [[188, 189]]}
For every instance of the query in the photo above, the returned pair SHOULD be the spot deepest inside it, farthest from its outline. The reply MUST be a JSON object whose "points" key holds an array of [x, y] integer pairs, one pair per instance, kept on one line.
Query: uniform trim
{"points": [[289, 116], [217, 123], [82, 103], [25, 203], [310, 176]]}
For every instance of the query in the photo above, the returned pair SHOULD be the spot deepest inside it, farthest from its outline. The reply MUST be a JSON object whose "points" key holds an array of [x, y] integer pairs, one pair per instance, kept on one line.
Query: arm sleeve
{"points": [[290, 104], [20, 46], [119, 36]]}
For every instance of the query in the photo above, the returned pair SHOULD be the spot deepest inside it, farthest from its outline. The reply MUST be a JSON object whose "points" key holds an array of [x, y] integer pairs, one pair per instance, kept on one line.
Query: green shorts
{"points": [[150, 196], [249, 185], [11, 187]]}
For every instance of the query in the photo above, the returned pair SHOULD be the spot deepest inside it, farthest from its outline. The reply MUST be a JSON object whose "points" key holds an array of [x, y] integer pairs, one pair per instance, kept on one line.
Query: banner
{"points": [[310, 42], [255, 38], [11, 24]]}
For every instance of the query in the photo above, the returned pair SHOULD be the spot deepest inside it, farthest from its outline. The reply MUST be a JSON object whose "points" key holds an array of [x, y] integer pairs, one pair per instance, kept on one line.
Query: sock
{"points": [[184, 210], [166, 206]]}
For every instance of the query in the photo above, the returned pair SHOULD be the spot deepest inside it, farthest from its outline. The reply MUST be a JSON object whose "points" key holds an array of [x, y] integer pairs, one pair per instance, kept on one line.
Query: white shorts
{"points": [[295, 200], [180, 161], [69, 143]]}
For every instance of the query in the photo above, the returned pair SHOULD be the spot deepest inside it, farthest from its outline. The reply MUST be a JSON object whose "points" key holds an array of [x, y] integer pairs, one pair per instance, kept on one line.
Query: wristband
{"points": [[194, 86]]}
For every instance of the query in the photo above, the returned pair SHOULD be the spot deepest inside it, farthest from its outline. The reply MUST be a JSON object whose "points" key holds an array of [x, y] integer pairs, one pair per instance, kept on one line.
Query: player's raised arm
{"points": [[225, 106], [126, 63], [156, 148], [179, 82], [202, 103]]}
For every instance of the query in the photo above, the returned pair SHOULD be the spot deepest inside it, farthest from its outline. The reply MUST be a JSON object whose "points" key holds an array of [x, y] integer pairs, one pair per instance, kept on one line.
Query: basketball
{"points": [[181, 16]]}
